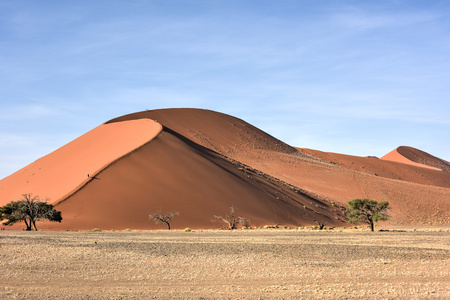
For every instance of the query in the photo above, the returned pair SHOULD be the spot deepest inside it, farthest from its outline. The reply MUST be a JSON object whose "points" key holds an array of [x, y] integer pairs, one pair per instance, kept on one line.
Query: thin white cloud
{"points": [[31, 111]]}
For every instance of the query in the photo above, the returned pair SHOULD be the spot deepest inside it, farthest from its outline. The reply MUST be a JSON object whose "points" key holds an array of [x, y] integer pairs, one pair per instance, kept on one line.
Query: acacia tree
{"points": [[158, 217], [29, 209], [367, 211]]}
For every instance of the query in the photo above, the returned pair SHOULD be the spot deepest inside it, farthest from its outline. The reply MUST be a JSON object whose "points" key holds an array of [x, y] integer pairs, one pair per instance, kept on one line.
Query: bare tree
{"points": [[246, 223], [231, 220], [158, 217], [321, 225]]}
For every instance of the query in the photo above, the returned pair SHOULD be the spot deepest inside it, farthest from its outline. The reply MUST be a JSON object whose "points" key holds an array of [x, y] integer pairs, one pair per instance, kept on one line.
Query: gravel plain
{"points": [[241, 264]]}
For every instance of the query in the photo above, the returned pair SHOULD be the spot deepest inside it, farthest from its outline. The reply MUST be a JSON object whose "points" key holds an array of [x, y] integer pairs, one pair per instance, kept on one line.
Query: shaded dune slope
{"points": [[173, 173]]}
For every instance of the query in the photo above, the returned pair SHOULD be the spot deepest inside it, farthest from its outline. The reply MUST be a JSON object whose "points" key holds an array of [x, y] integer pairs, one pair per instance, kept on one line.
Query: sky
{"points": [[351, 77]]}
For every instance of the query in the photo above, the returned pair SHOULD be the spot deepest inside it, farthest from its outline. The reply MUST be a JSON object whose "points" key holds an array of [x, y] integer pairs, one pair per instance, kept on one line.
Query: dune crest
{"points": [[414, 157]]}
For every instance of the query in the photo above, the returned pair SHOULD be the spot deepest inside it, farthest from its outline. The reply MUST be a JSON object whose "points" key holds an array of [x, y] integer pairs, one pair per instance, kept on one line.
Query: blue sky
{"points": [[352, 77]]}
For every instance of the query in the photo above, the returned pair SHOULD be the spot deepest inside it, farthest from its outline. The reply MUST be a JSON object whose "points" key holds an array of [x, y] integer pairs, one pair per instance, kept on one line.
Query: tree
{"points": [[367, 211], [30, 209], [321, 224], [231, 220], [159, 217], [246, 223]]}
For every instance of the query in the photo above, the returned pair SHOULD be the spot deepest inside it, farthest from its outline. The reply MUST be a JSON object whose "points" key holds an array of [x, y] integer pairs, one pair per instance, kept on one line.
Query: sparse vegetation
{"points": [[232, 220], [367, 211], [321, 224], [187, 229], [96, 230], [159, 217], [29, 209], [246, 223]]}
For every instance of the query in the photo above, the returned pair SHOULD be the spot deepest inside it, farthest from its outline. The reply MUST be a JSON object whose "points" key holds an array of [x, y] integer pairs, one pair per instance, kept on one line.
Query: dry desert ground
{"points": [[218, 264]]}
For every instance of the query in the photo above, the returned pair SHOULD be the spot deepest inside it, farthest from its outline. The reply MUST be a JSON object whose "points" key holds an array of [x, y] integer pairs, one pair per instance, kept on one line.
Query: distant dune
{"points": [[201, 162], [415, 157]]}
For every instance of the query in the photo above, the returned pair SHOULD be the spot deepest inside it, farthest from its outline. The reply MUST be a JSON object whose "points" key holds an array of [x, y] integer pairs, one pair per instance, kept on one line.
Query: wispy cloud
{"points": [[32, 111], [360, 19], [288, 67]]}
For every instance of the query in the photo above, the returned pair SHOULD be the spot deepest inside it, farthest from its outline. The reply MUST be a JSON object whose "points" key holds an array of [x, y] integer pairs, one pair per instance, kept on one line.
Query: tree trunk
{"points": [[28, 225], [34, 224], [168, 225], [371, 225]]}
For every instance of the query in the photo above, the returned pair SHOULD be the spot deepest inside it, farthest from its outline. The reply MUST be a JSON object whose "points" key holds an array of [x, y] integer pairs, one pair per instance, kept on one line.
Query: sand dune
{"points": [[59, 173], [337, 179], [173, 173], [416, 157], [201, 162]]}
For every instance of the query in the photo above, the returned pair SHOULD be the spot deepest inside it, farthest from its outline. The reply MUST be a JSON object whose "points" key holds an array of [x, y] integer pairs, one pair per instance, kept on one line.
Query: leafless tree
{"points": [[231, 220], [246, 223], [321, 225], [158, 217]]}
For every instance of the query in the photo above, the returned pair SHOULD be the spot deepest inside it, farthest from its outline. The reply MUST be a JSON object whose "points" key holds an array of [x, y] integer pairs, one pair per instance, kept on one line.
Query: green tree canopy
{"points": [[29, 209], [367, 211]]}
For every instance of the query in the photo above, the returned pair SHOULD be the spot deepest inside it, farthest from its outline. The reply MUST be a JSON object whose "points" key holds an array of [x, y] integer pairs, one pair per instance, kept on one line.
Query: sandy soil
{"points": [[256, 264]]}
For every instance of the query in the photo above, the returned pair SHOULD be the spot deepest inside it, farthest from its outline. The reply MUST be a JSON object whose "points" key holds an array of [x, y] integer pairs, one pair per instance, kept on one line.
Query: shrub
{"points": [[187, 229], [96, 230]]}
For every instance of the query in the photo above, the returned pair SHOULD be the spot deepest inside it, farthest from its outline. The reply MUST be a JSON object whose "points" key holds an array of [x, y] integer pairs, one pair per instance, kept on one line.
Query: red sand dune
{"points": [[415, 157], [202, 162]]}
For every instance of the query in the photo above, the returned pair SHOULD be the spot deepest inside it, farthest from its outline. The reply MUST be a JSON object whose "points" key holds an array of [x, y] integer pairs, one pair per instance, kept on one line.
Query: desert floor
{"points": [[243, 264]]}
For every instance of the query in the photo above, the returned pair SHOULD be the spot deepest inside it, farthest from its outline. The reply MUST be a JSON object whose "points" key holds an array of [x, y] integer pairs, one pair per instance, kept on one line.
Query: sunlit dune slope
{"points": [[416, 157], [61, 172]]}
